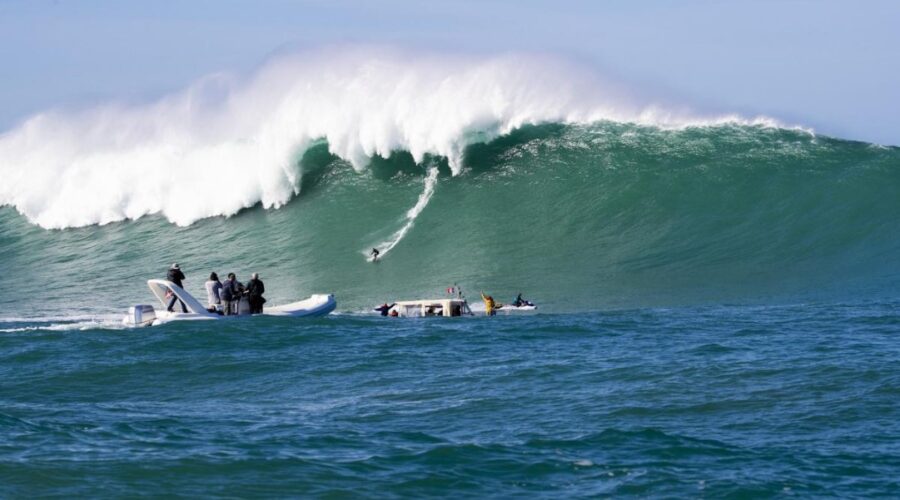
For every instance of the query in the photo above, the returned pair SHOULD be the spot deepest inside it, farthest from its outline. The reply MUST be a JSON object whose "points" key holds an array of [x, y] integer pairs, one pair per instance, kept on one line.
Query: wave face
{"points": [[242, 135], [577, 217]]}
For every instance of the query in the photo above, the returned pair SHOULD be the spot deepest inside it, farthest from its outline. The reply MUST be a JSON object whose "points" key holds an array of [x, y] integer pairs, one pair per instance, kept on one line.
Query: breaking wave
{"points": [[230, 142], [578, 217]]}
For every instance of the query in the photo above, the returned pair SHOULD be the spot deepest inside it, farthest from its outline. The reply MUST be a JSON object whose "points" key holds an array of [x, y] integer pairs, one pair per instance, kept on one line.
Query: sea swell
{"points": [[585, 217], [718, 307], [511, 173], [229, 142], [613, 403]]}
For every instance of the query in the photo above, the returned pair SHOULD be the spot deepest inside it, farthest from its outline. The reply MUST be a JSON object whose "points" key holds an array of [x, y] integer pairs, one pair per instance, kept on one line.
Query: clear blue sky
{"points": [[832, 65]]}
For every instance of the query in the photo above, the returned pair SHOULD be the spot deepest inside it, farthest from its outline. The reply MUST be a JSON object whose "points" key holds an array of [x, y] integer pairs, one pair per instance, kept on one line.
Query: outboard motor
{"points": [[140, 315]]}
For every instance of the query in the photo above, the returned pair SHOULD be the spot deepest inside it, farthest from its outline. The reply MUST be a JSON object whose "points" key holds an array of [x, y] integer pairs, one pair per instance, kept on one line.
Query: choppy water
{"points": [[710, 401]]}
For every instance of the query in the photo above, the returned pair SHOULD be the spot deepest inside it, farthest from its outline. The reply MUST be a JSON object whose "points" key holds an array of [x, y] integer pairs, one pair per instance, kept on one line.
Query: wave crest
{"points": [[227, 143]]}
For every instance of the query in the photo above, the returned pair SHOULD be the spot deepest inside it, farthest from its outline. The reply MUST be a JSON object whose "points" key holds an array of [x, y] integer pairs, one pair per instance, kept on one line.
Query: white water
{"points": [[387, 245], [229, 142], [60, 323]]}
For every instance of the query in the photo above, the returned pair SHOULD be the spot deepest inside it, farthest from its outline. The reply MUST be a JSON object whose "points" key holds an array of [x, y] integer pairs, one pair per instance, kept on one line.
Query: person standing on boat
{"points": [[230, 295], [255, 290], [213, 292], [175, 276], [385, 308], [488, 304]]}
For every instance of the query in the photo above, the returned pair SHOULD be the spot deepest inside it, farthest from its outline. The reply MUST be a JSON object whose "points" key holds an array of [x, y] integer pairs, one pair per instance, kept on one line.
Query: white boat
{"points": [[434, 307], [146, 315]]}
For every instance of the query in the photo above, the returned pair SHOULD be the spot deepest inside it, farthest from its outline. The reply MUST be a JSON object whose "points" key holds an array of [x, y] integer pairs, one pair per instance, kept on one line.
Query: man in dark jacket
{"points": [[255, 290], [230, 295], [385, 308], [175, 276]]}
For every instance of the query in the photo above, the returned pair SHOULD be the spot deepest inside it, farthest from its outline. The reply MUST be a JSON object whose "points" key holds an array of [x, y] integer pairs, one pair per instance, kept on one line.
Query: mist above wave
{"points": [[229, 142]]}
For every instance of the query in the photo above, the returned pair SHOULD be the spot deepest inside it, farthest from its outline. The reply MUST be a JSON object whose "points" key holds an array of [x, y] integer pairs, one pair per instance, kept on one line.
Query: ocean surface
{"points": [[718, 304], [736, 401]]}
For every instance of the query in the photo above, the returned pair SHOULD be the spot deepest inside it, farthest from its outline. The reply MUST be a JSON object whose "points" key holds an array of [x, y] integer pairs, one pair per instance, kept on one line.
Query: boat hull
{"points": [[145, 315]]}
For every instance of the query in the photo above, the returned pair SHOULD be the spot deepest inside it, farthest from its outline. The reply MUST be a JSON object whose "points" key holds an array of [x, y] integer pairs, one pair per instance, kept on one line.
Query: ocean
{"points": [[718, 309]]}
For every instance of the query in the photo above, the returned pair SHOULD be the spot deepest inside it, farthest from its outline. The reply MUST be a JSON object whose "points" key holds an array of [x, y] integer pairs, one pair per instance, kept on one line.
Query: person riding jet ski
{"points": [[519, 302]]}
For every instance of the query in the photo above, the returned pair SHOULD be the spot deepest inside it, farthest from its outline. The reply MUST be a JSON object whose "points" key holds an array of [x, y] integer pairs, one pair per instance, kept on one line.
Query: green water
{"points": [[581, 218]]}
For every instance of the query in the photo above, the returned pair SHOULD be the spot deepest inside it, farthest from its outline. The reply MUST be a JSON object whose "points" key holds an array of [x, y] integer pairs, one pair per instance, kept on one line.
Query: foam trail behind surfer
{"points": [[387, 245]]}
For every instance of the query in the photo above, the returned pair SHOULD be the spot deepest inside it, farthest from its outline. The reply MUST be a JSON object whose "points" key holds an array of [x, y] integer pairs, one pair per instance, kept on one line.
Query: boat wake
{"points": [[387, 245], [60, 323]]}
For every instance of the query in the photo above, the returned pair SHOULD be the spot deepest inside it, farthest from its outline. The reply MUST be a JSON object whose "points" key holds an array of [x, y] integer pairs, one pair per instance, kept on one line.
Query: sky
{"points": [[829, 65]]}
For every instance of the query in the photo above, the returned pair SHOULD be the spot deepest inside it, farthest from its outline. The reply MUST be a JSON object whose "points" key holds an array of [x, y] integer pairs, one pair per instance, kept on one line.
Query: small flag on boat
{"points": [[450, 290]]}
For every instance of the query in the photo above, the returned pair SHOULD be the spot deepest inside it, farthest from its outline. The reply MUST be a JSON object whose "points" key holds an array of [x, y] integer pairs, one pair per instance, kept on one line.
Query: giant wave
{"points": [[229, 142], [577, 217]]}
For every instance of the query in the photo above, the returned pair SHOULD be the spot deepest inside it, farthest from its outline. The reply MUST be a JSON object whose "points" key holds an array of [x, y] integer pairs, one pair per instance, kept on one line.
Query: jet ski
{"points": [[525, 308], [147, 315], [517, 306], [508, 309]]}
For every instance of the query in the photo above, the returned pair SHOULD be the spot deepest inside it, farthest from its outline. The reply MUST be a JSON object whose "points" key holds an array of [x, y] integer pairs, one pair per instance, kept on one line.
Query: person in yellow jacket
{"points": [[488, 304]]}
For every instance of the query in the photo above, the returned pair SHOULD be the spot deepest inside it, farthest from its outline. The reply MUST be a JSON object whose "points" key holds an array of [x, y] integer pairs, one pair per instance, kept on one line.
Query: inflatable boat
{"points": [[147, 315]]}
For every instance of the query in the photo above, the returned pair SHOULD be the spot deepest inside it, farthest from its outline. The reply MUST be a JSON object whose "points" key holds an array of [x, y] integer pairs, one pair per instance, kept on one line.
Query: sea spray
{"points": [[230, 142]]}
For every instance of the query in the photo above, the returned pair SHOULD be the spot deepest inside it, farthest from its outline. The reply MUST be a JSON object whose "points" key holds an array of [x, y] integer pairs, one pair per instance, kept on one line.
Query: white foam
{"points": [[229, 142], [409, 221], [60, 323]]}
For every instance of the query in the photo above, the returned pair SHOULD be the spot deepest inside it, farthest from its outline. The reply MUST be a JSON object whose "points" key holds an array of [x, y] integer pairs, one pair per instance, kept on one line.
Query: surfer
{"points": [[385, 308], [375, 254], [255, 289], [488, 304], [175, 276]]}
